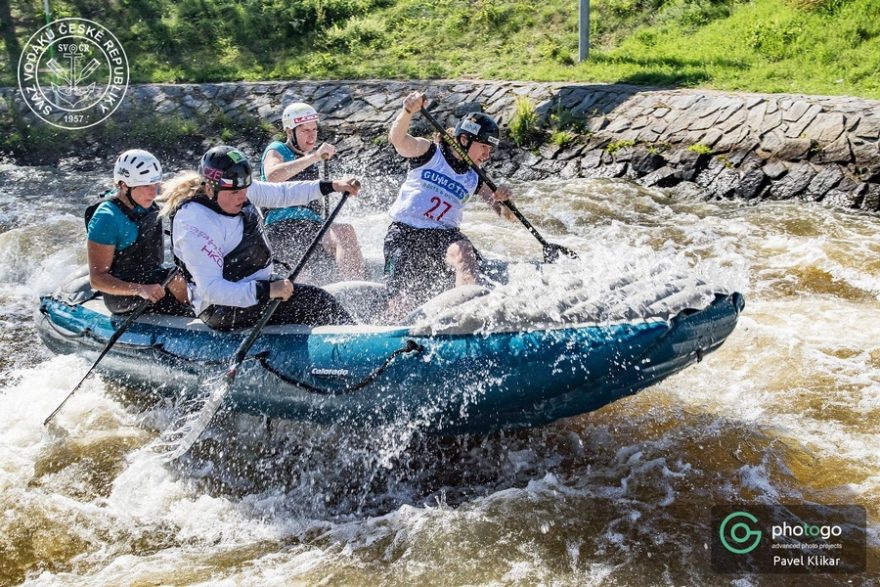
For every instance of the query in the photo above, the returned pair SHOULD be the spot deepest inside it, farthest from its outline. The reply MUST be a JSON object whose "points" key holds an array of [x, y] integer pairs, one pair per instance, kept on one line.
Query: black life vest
{"points": [[251, 254], [138, 262], [311, 173]]}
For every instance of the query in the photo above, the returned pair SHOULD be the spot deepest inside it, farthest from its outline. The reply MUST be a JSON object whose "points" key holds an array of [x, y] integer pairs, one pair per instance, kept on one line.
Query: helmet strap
{"points": [[293, 143], [127, 199], [213, 185]]}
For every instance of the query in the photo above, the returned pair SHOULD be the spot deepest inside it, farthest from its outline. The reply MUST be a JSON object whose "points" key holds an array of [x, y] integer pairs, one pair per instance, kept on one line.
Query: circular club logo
{"points": [[73, 73], [739, 537]]}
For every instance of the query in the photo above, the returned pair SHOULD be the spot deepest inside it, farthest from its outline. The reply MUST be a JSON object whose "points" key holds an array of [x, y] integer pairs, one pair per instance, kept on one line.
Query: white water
{"points": [[786, 411]]}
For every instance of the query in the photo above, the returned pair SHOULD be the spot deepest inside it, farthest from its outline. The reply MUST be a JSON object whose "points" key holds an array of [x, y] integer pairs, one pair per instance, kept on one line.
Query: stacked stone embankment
{"points": [[725, 145]]}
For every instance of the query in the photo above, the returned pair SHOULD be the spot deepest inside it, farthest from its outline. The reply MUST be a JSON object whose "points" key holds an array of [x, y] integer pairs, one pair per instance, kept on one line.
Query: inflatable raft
{"points": [[446, 382]]}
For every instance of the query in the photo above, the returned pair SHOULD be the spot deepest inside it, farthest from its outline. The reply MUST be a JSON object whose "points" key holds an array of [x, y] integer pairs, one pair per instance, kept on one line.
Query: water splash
{"points": [[605, 285], [783, 411]]}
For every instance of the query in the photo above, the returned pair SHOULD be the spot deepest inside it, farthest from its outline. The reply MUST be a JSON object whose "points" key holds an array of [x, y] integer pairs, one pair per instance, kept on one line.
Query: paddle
{"points": [[552, 251], [324, 174], [211, 406], [135, 314]]}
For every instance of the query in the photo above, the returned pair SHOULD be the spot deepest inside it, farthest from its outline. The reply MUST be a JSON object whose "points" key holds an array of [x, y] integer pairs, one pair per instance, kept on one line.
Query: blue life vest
{"points": [[295, 213]]}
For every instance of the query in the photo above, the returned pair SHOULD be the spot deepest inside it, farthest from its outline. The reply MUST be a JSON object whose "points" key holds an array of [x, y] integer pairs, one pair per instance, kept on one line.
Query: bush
{"points": [[828, 6], [772, 40], [694, 13], [700, 149], [562, 138], [614, 146], [523, 127], [563, 119], [551, 49], [357, 33]]}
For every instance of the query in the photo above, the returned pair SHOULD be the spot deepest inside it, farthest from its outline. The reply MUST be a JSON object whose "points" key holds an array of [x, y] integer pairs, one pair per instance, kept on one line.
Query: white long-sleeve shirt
{"points": [[203, 237]]}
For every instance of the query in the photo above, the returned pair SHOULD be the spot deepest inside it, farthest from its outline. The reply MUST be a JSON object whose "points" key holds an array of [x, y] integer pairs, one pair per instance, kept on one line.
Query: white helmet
{"points": [[297, 114], [137, 167]]}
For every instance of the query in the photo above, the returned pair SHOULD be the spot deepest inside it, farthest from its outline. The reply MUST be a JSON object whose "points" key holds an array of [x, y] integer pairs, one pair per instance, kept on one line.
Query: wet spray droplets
{"points": [[783, 411], [192, 416]]}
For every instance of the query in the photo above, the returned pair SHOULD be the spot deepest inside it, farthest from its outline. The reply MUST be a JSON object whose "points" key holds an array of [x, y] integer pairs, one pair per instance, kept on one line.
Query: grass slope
{"points": [[809, 46]]}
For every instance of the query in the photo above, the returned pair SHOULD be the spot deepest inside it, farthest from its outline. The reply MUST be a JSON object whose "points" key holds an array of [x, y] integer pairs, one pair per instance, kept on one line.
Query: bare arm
{"points": [[100, 260], [495, 200], [278, 170], [404, 143]]}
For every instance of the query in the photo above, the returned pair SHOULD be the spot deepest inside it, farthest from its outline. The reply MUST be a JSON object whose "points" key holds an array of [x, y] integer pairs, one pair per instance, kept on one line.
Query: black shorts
{"points": [[291, 238], [415, 260], [167, 305], [308, 305]]}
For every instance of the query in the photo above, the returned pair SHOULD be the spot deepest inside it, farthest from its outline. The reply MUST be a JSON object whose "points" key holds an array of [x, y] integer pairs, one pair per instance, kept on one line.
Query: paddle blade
{"points": [[194, 418], [554, 252]]}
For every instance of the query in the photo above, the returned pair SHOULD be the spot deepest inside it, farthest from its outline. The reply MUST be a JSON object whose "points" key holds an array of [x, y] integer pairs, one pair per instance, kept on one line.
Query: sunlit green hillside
{"points": [[811, 46]]}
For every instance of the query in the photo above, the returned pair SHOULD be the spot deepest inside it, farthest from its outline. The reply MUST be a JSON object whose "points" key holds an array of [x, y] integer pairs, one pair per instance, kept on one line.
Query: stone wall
{"points": [[750, 146]]}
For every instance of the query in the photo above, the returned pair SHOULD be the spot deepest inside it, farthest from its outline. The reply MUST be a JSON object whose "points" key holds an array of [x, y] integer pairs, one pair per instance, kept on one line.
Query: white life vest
{"points": [[434, 195]]}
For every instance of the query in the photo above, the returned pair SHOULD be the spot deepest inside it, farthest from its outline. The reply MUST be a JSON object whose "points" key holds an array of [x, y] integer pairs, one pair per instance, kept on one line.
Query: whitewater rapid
{"points": [[785, 412]]}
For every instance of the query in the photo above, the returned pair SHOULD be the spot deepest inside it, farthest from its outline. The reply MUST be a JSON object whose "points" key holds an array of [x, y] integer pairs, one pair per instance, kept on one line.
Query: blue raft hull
{"points": [[444, 383]]}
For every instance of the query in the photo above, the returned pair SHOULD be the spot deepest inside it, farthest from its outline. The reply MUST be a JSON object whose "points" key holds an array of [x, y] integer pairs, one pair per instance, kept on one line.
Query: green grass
{"points": [[614, 146], [700, 149], [809, 46], [562, 138], [523, 127]]}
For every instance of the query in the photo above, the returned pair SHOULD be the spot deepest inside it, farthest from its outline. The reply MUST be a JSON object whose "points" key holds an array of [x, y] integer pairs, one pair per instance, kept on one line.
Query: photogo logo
{"points": [[73, 73], [736, 535], [788, 539], [805, 531]]}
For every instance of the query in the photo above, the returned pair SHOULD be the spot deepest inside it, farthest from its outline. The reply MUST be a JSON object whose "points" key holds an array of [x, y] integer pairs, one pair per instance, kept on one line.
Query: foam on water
{"points": [[606, 285], [785, 411]]}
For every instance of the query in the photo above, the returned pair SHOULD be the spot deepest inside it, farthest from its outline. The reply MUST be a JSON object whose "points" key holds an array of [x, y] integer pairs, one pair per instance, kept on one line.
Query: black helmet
{"points": [[225, 168], [478, 127]]}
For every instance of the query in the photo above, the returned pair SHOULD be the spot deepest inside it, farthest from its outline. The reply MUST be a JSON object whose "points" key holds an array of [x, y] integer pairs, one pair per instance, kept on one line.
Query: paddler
{"points": [[126, 245], [218, 237], [291, 229], [425, 252]]}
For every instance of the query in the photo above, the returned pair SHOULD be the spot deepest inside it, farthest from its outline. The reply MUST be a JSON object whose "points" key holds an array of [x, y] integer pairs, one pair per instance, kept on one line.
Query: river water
{"points": [[787, 411]]}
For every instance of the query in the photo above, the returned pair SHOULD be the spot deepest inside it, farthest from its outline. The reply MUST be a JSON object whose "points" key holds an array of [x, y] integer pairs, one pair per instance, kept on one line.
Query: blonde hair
{"points": [[178, 191]]}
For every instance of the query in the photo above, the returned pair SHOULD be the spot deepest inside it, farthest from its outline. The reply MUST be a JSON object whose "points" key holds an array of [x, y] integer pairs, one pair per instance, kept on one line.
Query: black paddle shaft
{"points": [[551, 250], [129, 320], [248, 342], [324, 172]]}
